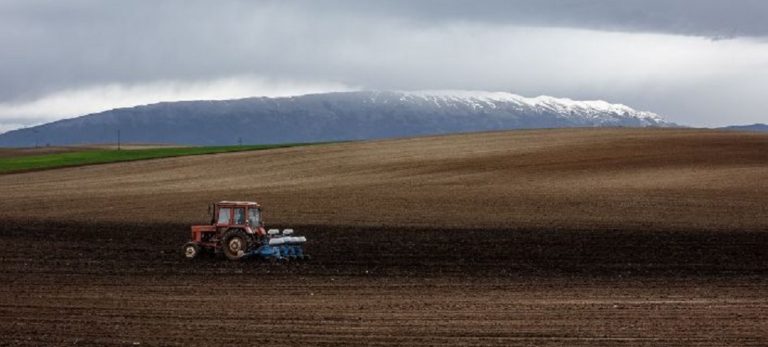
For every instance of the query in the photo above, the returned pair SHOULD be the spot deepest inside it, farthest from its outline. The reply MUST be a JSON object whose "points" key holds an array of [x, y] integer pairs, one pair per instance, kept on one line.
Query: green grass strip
{"points": [[89, 157]]}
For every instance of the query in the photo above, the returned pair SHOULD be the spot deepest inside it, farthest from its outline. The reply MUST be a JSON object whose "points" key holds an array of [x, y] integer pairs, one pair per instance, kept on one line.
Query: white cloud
{"points": [[691, 80], [4, 127], [77, 102]]}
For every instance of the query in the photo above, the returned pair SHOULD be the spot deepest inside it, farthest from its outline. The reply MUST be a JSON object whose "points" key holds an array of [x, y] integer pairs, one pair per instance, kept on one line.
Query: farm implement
{"points": [[237, 231]]}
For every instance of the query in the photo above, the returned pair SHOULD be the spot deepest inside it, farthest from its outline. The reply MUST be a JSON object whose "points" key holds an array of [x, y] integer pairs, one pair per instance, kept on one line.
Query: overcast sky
{"points": [[696, 62]]}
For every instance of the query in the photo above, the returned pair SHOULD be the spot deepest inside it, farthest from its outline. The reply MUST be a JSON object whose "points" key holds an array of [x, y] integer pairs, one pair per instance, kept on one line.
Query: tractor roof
{"points": [[239, 203]]}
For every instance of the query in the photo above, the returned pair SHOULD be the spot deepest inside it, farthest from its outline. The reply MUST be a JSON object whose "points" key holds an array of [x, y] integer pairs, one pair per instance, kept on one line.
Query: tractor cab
{"points": [[237, 214]]}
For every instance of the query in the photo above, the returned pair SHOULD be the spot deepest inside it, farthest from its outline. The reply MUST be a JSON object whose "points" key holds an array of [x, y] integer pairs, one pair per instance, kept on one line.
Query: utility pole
{"points": [[239, 141], [118, 139], [36, 138]]}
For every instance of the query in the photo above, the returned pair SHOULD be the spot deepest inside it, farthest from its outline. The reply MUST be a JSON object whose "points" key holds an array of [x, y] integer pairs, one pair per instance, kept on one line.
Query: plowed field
{"points": [[566, 237]]}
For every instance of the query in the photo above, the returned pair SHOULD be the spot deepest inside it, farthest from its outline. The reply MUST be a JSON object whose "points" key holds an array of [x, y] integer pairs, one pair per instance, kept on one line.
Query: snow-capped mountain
{"points": [[330, 117]]}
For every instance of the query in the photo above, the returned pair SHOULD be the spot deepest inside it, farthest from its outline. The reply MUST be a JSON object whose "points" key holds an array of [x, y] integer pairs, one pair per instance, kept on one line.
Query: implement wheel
{"points": [[191, 250], [235, 244]]}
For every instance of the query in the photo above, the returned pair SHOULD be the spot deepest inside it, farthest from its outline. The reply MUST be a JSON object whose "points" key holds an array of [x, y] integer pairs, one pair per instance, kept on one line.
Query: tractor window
{"points": [[254, 217], [239, 215], [223, 215]]}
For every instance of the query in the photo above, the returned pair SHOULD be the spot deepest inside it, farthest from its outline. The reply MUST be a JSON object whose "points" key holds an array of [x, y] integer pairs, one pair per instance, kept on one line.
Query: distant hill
{"points": [[759, 127], [329, 117]]}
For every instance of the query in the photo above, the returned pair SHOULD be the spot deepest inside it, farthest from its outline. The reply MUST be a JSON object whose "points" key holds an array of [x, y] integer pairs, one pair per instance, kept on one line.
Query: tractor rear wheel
{"points": [[235, 243], [191, 250]]}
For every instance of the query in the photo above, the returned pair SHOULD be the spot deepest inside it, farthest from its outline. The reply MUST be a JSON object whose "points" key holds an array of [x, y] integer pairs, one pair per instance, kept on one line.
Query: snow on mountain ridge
{"points": [[480, 99]]}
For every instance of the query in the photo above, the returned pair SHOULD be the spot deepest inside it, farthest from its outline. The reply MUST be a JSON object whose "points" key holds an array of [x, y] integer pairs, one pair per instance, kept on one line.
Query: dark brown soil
{"points": [[109, 248], [124, 284]]}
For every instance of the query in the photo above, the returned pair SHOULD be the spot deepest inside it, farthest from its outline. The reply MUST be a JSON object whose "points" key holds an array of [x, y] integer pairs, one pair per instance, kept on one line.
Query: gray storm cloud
{"points": [[698, 62], [710, 18]]}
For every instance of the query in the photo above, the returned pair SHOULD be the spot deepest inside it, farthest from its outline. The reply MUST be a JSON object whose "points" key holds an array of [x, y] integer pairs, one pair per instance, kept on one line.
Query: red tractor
{"points": [[237, 230]]}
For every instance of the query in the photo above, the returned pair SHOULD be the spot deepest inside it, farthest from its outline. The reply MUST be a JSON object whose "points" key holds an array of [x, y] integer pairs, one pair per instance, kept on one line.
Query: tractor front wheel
{"points": [[234, 244], [191, 250]]}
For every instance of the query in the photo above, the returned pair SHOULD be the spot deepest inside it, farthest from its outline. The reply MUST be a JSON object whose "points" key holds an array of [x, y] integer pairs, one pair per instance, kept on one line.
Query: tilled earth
{"points": [[75, 283], [609, 237]]}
